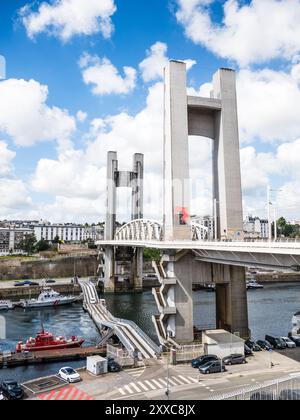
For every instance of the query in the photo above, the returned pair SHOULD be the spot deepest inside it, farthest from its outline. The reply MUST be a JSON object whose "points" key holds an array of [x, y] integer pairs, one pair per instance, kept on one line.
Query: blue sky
{"points": [[53, 159]]}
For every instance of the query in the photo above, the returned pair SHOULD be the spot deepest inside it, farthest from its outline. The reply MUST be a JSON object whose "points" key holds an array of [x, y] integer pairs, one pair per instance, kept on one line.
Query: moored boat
{"points": [[252, 285], [6, 305], [48, 298], [45, 341]]}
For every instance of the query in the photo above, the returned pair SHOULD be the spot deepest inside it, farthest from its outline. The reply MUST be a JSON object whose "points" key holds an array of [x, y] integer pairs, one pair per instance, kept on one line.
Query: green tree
{"points": [[41, 246], [28, 243], [56, 240], [152, 254]]}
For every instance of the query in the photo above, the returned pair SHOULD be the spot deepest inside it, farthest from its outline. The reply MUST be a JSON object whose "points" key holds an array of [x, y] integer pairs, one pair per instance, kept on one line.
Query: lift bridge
{"points": [[189, 255]]}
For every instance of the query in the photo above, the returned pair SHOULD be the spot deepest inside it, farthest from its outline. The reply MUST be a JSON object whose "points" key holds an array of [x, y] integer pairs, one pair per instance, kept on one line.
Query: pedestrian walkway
{"points": [[137, 372], [139, 387], [70, 393]]}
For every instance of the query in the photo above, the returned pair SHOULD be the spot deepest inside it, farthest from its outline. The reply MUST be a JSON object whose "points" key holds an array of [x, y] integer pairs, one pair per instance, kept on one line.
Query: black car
{"points": [[113, 366], [50, 281], [265, 345], [276, 342], [212, 367], [253, 346], [202, 360], [12, 390], [248, 351], [234, 359], [296, 340]]}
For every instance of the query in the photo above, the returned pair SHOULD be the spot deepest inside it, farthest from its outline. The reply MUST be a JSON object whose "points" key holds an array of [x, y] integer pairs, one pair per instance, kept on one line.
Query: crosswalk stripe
{"points": [[122, 391], [143, 386], [150, 385], [172, 382], [128, 389], [178, 380], [193, 380], [157, 383], [133, 385], [184, 379], [59, 394], [163, 382], [74, 395], [70, 391]]}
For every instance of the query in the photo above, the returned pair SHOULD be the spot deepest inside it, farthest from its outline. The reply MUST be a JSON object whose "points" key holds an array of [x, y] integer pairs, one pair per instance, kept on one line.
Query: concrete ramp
{"points": [[129, 334]]}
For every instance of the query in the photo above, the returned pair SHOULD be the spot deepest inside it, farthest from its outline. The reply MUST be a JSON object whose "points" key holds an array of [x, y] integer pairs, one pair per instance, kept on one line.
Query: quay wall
{"points": [[61, 267]]}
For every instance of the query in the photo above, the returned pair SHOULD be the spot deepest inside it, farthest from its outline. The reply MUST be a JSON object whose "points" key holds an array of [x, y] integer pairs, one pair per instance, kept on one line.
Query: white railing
{"points": [[151, 230]]}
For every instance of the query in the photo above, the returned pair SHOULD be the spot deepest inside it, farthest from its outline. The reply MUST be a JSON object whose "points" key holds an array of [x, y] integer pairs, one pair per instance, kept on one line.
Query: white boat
{"points": [[6, 305], [48, 298], [252, 284]]}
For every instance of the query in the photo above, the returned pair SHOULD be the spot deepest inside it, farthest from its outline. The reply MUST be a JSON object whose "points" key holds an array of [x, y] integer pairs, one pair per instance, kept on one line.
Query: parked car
{"points": [[212, 367], [26, 283], [289, 343], [265, 345], [248, 351], [20, 284], [113, 366], [234, 359], [296, 340], [253, 346], [276, 342], [69, 374], [11, 390], [290, 395], [202, 360], [1, 397], [50, 281]]}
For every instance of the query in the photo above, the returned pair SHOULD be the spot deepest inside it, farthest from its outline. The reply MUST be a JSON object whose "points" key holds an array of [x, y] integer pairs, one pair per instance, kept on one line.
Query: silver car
{"points": [[289, 343]]}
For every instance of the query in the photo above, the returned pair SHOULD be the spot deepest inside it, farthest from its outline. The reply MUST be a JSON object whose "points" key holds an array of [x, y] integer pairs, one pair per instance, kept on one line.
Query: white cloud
{"points": [[6, 157], [268, 104], [81, 116], [104, 76], [26, 117], [67, 18], [14, 196], [249, 33], [152, 67]]}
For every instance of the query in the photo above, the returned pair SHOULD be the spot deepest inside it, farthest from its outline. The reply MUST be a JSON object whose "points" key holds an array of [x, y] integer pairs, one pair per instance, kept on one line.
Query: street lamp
{"points": [[269, 191]]}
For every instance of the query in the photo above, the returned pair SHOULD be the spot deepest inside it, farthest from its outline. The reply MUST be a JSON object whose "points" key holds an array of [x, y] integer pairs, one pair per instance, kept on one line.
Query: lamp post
{"points": [[269, 191]]}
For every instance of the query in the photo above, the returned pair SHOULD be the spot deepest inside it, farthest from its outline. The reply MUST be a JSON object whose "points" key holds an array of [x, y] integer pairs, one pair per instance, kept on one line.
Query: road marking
{"points": [[133, 385], [193, 380], [184, 379], [121, 391], [150, 384], [157, 383], [178, 380], [128, 389], [143, 386], [66, 394]]}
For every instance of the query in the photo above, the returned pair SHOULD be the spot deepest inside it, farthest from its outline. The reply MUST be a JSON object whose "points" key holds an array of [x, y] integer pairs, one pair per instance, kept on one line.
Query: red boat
{"points": [[46, 341]]}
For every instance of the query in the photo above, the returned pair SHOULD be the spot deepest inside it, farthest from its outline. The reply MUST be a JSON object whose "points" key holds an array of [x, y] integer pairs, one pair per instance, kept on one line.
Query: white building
{"points": [[207, 222], [65, 232], [10, 239], [256, 228]]}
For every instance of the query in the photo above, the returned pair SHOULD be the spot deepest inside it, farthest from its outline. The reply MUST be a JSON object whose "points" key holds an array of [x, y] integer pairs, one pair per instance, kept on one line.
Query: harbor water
{"points": [[270, 312]]}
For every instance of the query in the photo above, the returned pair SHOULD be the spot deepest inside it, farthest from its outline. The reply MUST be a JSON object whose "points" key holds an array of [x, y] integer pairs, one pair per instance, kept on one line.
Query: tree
{"points": [[152, 254], [28, 243], [41, 246], [56, 240]]}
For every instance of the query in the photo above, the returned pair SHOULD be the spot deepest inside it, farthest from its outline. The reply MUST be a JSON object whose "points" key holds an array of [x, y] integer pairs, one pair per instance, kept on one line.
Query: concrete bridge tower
{"points": [[127, 179], [215, 118]]}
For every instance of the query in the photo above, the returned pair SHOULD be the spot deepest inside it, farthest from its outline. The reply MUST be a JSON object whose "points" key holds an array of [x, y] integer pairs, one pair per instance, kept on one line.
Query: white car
{"points": [[289, 343], [69, 374], [1, 396]]}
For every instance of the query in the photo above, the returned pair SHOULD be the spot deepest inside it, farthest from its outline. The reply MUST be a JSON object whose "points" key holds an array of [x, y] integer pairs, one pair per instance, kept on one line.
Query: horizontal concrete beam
{"points": [[207, 103]]}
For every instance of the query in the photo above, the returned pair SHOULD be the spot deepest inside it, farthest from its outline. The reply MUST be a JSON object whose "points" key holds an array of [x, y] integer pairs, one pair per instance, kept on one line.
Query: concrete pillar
{"points": [[226, 157], [137, 267], [176, 154], [138, 187], [231, 303]]}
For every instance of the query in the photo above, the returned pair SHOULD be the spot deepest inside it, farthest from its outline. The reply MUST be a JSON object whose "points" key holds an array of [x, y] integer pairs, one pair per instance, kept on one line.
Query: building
{"points": [[94, 233], [10, 239], [256, 228], [65, 232]]}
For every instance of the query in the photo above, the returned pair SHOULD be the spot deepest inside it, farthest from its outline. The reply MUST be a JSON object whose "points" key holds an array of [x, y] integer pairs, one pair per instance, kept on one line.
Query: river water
{"points": [[270, 312]]}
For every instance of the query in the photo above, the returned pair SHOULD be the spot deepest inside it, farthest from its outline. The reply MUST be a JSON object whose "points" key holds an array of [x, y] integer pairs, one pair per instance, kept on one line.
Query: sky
{"points": [[84, 77]]}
